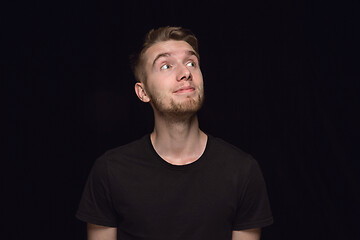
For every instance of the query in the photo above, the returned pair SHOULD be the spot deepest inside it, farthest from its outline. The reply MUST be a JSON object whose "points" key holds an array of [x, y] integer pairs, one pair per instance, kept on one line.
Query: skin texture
{"points": [[249, 234], [96, 232], [174, 84], [174, 89]]}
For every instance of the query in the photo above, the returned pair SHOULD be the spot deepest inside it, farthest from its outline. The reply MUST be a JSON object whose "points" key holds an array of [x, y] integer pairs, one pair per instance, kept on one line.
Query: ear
{"points": [[141, 93]]}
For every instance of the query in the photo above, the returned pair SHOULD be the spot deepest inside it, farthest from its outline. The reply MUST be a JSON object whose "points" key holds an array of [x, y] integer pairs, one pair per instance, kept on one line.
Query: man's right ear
{"points": [[141, 93]]}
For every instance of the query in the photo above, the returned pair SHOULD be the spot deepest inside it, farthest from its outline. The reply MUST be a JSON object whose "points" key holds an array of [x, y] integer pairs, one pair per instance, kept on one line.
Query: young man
{"points": [[176, 183]]}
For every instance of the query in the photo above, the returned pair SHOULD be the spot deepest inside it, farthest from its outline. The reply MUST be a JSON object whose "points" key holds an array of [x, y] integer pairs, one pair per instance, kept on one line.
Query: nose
{"points": [[184, 74]]}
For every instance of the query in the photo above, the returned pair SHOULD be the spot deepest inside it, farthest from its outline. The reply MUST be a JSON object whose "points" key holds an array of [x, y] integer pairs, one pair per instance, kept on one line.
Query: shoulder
{"points": [[226, 147], [135, 150], [230, 154], [129, 148], [220, 147]]}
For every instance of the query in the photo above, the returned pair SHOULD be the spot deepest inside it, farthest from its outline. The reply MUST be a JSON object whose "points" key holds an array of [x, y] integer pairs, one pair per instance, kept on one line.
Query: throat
{"points": [[177, 149]]}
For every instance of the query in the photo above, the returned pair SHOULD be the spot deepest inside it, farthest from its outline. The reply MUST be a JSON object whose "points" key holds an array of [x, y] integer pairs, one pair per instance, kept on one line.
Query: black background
{"points": [[281, 82]]}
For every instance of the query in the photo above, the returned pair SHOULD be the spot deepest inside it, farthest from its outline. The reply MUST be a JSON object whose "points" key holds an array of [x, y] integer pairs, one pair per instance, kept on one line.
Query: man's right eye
{"points": [[165, 66]]}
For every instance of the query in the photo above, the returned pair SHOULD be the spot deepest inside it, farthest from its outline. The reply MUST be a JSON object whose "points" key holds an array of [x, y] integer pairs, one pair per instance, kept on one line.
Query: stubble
{"points": [[178, 110]]}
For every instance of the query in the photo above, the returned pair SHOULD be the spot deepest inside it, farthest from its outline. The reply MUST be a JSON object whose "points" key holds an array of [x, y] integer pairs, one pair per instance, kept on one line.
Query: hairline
{"points": [[169, 54], [142, 59]]}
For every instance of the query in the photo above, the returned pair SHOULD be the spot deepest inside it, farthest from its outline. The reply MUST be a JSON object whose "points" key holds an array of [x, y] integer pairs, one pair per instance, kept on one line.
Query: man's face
{"points": [[174, 81]]}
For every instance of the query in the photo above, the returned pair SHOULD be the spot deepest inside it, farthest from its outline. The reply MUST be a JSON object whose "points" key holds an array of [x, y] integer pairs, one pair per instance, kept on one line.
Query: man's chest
{"points": [[171, 199]]}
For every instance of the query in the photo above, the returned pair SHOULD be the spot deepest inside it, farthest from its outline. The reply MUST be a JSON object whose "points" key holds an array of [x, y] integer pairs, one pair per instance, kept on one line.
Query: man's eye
{"points": [[165, 66], [190, 64]]}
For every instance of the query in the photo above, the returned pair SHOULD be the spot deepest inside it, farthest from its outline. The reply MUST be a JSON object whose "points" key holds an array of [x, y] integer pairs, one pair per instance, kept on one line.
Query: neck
{"points": [[178, 142]]}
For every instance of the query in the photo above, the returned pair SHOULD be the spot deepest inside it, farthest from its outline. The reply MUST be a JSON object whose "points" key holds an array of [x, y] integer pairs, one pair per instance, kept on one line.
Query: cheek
{"points": [[157, 88], [198, 76], [161, 78]]}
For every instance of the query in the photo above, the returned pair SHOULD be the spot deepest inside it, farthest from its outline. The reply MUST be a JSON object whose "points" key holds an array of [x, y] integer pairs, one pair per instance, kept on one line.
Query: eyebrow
{"points": [[166, 54]]}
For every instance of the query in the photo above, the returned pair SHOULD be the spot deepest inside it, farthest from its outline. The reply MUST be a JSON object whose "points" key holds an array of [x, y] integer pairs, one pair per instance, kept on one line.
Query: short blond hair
{"points": [[159, 35]]}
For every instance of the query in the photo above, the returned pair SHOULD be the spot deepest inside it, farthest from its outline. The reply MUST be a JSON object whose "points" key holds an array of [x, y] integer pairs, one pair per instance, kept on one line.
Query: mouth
{"points": [[187, 89]]}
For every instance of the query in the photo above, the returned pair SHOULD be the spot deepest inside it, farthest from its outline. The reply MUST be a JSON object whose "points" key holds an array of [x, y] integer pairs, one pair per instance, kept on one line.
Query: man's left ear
{"points": [[141, 92]]}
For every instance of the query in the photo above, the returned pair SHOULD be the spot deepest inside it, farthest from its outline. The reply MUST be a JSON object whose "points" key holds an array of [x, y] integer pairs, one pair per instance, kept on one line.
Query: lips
{"points": [[185, 89]]}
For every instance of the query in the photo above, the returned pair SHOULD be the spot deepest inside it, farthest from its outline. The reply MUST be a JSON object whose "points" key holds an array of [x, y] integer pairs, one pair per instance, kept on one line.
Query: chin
{"points": [[189, 105], [185, 107]]}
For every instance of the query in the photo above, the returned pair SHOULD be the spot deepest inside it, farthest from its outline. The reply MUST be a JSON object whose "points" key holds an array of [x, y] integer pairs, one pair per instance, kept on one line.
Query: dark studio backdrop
{"points": [[281, 82]]}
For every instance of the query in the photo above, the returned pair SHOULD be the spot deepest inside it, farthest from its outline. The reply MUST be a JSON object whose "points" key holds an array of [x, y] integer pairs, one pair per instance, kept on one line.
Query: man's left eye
{"points": [[190, 64], [165, 66]]}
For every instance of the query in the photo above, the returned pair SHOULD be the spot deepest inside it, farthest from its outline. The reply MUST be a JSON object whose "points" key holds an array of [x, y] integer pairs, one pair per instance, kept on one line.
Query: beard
{"points": [[177, 110]]}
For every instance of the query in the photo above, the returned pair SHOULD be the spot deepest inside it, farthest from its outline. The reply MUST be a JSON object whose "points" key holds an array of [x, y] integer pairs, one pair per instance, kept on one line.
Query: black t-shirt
{"points": [[132, 188]]}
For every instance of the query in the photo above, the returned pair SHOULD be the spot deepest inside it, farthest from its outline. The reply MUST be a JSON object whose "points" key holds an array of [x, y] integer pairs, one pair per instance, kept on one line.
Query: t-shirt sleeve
{"points": [[253, 207], [96, 206]]}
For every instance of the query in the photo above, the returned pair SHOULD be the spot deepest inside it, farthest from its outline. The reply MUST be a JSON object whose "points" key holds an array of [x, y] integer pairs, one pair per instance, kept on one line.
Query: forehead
{"points": [[171, 46]]}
